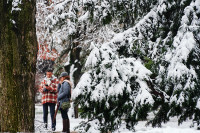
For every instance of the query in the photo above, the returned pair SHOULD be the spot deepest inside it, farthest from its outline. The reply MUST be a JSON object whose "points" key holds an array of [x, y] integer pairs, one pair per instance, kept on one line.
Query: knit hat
{"points": [[63, 74]]}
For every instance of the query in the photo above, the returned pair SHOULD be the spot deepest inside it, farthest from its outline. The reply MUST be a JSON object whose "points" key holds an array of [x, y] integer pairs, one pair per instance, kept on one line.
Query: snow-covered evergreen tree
{"points": [[165, 41], [113, 89]]}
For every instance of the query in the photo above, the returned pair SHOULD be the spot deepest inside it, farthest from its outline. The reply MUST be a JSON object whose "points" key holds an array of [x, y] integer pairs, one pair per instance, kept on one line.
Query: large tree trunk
{"points": [[18, 52]]}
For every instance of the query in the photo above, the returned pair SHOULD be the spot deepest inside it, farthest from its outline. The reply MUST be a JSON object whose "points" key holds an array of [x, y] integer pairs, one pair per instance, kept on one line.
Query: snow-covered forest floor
{"points": [[39, 118], [170, 127]]}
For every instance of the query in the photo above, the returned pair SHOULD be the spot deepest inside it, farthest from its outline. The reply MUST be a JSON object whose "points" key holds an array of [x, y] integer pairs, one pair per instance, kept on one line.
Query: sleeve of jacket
{"points": [[41, 87], [53, 85], [66, 92]]}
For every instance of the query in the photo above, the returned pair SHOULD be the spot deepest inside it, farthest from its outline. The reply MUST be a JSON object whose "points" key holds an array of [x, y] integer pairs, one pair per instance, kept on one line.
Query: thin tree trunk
{"points": [[18, 52]]}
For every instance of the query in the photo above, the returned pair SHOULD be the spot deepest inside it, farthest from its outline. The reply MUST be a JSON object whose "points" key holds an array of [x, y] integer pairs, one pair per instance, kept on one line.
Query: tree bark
{"points": [[18, 53]]}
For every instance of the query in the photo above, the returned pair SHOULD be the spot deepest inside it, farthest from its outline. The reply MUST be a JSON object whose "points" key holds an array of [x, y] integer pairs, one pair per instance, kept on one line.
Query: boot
{"points": [[68, 126], [45, 125], [64, 125], [53, 126]]}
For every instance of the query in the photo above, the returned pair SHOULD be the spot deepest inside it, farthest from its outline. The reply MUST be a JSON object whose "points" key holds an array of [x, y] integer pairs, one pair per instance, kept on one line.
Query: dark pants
{"points": [[64, 114], [66, 123], [52, 112]]}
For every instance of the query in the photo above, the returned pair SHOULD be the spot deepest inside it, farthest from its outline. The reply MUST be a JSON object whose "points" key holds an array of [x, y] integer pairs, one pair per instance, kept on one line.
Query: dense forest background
{"points": [[127, 58]]}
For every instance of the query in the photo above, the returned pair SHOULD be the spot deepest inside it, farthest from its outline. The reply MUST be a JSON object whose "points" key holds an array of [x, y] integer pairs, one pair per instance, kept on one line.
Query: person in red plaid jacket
{"points": [[48, 88]]}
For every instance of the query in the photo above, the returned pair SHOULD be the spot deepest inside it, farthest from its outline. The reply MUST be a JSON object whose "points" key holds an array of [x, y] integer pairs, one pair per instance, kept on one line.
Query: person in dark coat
{"points": [[64, 95]]}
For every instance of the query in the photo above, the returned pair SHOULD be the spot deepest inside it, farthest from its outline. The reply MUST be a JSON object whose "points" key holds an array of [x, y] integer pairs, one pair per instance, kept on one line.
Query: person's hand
{"points": [[45, 90], [48, 87], [58, 103]]}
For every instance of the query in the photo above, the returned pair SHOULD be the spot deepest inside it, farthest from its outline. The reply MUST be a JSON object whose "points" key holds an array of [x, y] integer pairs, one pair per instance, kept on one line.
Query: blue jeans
{"points": [[52, 112]]}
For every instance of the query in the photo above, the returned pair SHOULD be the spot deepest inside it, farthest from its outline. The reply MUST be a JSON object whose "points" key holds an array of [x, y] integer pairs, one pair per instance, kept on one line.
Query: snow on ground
{"points": [[170, 127], [39, 118]]}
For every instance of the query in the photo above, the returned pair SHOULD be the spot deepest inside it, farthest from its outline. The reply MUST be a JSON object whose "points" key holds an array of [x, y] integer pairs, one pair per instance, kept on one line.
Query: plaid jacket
{"points": [[51, 95]]}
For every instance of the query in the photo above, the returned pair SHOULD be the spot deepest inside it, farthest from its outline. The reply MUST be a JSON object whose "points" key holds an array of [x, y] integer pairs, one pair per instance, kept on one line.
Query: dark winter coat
{"points": [[64, 92]]}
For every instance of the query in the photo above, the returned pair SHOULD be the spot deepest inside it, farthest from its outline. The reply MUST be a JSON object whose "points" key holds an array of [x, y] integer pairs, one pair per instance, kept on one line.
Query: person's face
{"points": [[49, 74], [62, 79]]}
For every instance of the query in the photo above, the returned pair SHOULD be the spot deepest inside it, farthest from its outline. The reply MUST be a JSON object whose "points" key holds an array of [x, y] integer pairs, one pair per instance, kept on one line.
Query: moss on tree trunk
{"points": [[18, 50]]}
